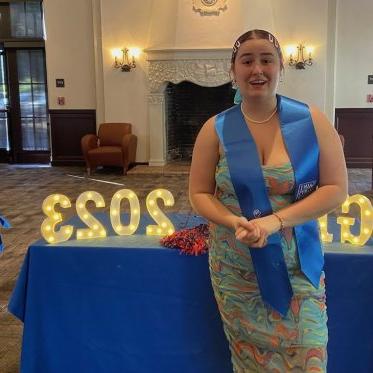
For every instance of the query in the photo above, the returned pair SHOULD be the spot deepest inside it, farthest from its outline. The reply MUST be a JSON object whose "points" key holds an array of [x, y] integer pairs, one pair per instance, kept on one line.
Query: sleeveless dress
{"points": [[261, 340]]}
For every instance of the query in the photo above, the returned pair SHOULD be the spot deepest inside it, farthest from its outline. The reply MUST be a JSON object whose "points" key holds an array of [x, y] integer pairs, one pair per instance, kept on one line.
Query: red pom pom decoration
{"points": [[190, 241]]}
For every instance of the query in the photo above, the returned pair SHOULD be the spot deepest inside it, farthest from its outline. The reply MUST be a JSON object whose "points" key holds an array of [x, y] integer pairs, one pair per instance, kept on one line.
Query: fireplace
{"points": [[176, 78], [188, 106]]}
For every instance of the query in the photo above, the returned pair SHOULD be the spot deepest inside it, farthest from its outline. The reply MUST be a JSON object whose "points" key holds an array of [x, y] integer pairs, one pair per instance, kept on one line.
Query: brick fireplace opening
{"points": [[186, 87], [188, 106]]}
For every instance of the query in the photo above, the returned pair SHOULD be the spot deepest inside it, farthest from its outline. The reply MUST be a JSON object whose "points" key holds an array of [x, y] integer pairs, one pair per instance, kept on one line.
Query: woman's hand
{"points": [[254, 233], [249, 233]]}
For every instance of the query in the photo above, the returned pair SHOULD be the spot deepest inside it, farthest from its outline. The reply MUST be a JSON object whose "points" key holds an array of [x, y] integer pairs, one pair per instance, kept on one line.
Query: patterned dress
{"points": [[259, 339]]}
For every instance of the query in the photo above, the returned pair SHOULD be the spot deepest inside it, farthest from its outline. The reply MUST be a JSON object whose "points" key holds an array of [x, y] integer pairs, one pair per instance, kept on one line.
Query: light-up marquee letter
{"points": [[366, 220], [325, 235], [164, 226], [134, 212], [95, 229], [53, 218]]}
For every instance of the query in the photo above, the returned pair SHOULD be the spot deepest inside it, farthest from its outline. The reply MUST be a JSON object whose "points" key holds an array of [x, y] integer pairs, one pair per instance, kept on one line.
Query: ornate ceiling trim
{"points": [[209, 7]]}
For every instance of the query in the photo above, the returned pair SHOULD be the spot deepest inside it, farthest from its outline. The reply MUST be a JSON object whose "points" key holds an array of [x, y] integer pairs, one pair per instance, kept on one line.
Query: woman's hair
{"points": [[257, 34]]}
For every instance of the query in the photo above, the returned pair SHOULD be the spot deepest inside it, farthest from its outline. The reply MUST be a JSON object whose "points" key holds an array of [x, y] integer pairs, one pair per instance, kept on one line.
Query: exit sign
{"points": [[370, 79]]}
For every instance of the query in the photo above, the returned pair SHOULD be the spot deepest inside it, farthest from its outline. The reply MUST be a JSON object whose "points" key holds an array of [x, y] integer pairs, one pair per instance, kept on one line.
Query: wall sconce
{"points": [[127, 56], [300, 61]]}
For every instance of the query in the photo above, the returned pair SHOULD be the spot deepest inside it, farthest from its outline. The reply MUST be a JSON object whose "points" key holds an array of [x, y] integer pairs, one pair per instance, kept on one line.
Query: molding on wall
{"points": [[99, 75], [355, 124], [67, 129], [156, 98], [209, 7]]}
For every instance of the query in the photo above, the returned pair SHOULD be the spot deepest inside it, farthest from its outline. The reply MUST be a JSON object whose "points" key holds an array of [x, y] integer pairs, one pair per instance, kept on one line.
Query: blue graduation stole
{"points": [[5, 224], [249, 184]]}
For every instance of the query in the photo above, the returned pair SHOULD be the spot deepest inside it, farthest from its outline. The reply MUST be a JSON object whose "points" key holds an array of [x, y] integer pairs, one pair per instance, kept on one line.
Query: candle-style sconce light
{"points": [[125, 59], [296, 55]]}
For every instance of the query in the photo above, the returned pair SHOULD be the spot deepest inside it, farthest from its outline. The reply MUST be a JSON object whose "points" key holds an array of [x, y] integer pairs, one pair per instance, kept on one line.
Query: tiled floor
{"points": [[23, 189]]}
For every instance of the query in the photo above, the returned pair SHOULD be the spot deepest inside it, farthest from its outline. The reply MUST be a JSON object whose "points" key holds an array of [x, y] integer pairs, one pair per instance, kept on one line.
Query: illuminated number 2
{"points": [[95, 229], [164, 226]]}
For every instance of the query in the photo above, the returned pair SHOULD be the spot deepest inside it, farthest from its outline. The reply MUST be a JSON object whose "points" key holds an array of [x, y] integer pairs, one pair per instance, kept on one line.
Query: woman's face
{"points": [[257, 69]]}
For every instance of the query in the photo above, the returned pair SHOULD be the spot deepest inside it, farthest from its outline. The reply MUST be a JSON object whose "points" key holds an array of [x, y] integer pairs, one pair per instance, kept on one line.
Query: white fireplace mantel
{"points": [[205, 67]]}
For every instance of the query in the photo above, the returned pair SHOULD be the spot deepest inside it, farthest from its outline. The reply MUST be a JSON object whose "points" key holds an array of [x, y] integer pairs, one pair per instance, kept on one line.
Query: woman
{"points": [[261, 173]]}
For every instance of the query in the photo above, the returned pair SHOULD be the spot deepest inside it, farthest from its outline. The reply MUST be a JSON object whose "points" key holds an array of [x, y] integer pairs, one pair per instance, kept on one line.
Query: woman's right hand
{"points": [[249, 233]]}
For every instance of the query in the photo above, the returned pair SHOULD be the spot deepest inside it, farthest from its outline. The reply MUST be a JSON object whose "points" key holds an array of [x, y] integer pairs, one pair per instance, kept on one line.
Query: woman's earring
{"points": [[234, 84]]}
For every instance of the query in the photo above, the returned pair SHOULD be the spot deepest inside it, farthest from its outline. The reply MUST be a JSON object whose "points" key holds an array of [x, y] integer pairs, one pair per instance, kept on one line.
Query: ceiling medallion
{"points": [[209, 7]]}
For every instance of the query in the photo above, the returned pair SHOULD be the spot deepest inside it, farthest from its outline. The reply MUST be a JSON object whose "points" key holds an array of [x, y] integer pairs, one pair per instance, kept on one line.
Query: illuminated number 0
{"points": [[134, 212]]}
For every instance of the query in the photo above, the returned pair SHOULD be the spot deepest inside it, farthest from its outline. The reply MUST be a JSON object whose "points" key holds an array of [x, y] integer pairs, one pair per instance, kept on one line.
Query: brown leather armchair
{"points": [[115, 145]]}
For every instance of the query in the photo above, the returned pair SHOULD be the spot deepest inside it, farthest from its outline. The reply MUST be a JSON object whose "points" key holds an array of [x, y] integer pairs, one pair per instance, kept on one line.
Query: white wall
{"points": [[304, 22], [173, 24], [69, 53], [354, 57], [79, 45], [161, 24]]}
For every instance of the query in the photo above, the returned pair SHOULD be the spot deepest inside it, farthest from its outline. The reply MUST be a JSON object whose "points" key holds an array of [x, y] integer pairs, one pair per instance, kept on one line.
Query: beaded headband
{"points": [[270, 38]]}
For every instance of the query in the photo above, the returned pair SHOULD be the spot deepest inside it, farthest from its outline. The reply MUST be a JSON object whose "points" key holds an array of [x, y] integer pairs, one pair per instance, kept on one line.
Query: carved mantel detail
{"points": [[207, 73], [156, 98], [207, 68]]}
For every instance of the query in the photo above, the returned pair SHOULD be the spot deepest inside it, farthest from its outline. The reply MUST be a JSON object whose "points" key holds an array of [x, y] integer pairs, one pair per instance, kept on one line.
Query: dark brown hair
{"points": [[257, 34]]}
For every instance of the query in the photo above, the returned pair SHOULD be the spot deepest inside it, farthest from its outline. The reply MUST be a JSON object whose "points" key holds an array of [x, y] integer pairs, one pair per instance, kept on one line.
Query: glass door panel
{"points": [[33, 100], [4, 105]]}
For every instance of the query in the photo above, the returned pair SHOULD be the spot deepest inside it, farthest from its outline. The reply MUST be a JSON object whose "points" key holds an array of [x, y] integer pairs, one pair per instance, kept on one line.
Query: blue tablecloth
{"points": [[130, 305]]}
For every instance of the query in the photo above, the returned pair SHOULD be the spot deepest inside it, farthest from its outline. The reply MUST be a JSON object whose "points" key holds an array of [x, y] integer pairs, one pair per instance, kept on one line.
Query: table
{"points": [[135, 307]]}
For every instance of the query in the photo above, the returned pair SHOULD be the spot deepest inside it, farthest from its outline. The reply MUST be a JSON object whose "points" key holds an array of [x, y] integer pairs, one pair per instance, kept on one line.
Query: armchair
{"points": [[115, 145]]}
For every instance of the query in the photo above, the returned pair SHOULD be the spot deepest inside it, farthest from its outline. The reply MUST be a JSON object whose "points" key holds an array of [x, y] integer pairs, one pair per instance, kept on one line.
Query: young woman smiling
{"points": [[261, 173]]}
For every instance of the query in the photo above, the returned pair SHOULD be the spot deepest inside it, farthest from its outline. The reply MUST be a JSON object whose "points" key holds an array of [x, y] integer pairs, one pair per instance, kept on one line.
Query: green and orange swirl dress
{"points": [[260, 339]]}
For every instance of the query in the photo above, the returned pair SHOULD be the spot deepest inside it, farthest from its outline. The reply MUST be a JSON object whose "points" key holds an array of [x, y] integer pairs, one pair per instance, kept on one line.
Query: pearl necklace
{"points": [[259, 121]]}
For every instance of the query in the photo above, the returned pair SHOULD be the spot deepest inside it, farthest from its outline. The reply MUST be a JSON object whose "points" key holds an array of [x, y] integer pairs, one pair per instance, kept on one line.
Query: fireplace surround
{"points": [[204, 67]]}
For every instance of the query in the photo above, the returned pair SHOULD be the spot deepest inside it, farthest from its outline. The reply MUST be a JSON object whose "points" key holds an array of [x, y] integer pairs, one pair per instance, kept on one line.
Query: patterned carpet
{"points": [[24, 188], [22, 192]]}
